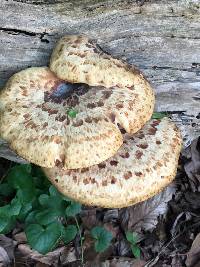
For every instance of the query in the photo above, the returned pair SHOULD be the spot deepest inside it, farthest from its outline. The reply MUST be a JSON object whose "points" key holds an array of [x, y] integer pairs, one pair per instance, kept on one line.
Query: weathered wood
{"points": [[161, 37]]}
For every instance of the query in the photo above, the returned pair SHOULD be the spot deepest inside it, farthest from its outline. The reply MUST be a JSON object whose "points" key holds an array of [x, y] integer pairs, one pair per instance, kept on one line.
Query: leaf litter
{"points": [[167, 229]]}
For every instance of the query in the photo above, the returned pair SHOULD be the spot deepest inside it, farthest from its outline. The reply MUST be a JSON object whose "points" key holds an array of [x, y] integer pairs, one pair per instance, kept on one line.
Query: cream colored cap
{"points": [[142, 167], [77, 59], [35, 120]]}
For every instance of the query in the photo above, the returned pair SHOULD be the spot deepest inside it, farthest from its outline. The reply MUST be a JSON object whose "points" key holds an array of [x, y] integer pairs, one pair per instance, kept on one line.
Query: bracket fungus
{"points": [[86, 122], [142, 167], [36, 105], [77, 59]]}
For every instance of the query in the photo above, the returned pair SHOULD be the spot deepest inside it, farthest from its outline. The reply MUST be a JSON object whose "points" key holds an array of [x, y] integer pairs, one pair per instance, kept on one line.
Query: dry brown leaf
{"points": [[20, 237], [193, 256], [122, 246], [7, 247], [121, 262], [111, 215], [4, 259], [176, 262], [51, 258], [179, 221], [39, 264], [192, 167], [68, 256], [89, 218], [145, 215]]}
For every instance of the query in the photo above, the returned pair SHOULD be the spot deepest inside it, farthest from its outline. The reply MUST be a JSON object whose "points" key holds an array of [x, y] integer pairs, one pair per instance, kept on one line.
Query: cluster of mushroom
{"points": [[87, 121]]}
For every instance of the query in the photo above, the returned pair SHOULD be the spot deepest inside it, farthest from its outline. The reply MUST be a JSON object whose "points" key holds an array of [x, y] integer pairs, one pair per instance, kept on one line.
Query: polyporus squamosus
{"points": [[143, 166], [68, 121], [35, 107]]}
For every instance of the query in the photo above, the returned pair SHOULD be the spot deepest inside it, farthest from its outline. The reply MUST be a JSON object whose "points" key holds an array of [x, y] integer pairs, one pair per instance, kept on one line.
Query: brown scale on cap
{"points": [[102, 165], [78, 123], [123, 181], [113, 162], [128, 175], [138, 174], [106, 94], [126, 155], [138, 154], [119, 106], [143, 146], [61, 118]]}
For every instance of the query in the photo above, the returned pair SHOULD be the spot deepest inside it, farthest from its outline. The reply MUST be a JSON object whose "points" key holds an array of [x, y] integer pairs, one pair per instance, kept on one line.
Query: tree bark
{"points": [[162, 38]]}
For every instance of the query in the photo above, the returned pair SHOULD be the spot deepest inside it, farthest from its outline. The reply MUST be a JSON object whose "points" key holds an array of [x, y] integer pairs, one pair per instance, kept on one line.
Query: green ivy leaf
{"points": [[26, 195], [2, 202], [12, 209], [159, 115], [136, 251], [53, 200], [6, 223], [66, 199], [50, 200], [25, 210], [46, 217], [69, 233], [43, 239], [103, 238], [53, 191], [6, 189], [54, 203], [132, 237], [72, 113], [40, 179], [20, 178], [53, 206], [73, 209], [15, 207], [44, 200], [8, 215], [39, 192], [27, 167], [30, 218]]}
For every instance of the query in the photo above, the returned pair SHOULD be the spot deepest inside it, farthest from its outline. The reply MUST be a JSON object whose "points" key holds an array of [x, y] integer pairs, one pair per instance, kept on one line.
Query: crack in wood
{"points": [[192, 69], [14, 31], [40, 2], [17, 31], [183, 37], [196, 98]]}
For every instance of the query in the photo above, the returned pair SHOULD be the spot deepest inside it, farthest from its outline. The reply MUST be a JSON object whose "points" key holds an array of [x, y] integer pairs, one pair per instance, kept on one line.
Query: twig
{"points": [[153, 261], [81, 239]]}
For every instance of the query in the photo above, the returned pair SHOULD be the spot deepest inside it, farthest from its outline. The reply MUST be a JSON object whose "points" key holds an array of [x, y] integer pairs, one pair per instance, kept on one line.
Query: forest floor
{"points": [[167, 227]]}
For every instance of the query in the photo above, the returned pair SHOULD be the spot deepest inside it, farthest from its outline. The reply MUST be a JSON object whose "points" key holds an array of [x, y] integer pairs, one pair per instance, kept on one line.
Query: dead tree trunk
{"points": [[161, 37]]}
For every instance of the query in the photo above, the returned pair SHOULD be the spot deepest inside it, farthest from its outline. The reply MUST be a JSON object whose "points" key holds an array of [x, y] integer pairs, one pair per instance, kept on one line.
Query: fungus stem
{"points": [[81, 239]]}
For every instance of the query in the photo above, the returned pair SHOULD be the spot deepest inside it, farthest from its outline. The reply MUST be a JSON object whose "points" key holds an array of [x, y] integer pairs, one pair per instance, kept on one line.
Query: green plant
{"points": [[133, 239], [102, 237], [72, 113], [159, 115], [28, 197]]}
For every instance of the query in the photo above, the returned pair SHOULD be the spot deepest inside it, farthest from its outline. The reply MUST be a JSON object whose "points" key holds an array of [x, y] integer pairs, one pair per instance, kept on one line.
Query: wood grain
{"points": [[161, 37]]}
